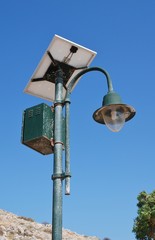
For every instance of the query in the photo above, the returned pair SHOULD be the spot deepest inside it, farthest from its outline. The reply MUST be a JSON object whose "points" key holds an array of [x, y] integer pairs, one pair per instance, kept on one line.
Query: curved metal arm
{"points": [[67, 105], [74, 80]]}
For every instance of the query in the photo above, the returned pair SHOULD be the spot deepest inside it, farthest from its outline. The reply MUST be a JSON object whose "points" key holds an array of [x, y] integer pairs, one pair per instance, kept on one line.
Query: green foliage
{"points": [[144, 224]]}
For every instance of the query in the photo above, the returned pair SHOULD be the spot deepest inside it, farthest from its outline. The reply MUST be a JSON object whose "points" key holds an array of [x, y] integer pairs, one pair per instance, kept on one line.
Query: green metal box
{"points": [[37, 129]]}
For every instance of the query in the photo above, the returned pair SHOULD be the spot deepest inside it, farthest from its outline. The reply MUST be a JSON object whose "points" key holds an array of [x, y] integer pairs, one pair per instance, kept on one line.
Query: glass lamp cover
{"points": [[114, 118]]}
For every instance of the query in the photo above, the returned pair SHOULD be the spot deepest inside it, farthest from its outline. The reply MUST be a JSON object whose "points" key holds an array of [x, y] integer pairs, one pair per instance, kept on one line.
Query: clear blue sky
{"points": [[108, 169]]}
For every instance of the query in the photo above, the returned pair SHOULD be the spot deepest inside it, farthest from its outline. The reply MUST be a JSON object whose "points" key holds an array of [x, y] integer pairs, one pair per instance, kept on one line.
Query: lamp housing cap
{"points": [[111, 98], [113, 101]]}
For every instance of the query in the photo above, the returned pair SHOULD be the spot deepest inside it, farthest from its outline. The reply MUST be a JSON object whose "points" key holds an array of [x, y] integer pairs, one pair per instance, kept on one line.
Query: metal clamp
{"points": [[62, 176]]}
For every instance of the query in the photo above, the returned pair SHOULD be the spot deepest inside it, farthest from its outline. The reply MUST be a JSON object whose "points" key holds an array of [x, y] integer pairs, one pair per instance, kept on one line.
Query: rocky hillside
{"points": [[13, 227]]}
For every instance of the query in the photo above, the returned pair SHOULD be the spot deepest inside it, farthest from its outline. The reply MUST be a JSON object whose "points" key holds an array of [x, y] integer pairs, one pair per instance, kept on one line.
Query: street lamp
{"points": [[56, 76], [113, 112]]}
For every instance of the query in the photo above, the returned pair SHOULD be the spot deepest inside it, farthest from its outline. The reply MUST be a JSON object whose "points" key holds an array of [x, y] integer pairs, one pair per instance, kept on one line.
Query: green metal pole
{"points": [[58, 174], [67, 116], [57, 168], [67, 148]]}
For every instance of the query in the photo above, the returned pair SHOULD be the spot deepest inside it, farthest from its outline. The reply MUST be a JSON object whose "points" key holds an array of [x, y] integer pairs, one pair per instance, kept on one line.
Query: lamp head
{"points": [[113, 112]]}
